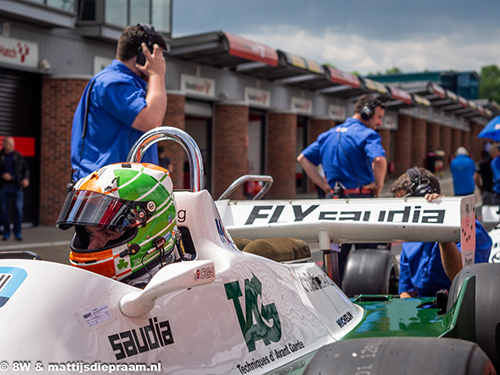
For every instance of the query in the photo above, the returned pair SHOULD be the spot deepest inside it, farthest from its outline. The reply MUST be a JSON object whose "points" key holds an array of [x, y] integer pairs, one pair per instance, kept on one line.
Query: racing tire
{"points": [[401, 355], [487, 306], [370, 272]]}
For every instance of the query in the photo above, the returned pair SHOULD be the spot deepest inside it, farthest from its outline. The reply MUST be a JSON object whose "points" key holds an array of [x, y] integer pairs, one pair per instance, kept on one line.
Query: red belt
{"points": [[358, 191]]}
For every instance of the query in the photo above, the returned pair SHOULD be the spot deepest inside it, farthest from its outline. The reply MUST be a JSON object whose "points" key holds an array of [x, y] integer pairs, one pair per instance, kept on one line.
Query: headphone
{"points": [[150, 31], [418, 188], [368, 109]]}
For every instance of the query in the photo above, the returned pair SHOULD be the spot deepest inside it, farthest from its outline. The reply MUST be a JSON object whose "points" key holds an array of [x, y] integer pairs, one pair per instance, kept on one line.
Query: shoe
{"points": [[19, 238], [5, 238]]}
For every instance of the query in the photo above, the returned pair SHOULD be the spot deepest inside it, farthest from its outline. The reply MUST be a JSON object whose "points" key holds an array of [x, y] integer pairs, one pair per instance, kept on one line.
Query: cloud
{"points": [[464, 50]]}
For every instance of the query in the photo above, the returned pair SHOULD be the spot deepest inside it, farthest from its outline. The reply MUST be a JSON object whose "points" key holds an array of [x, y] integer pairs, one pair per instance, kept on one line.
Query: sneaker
{"points": [[5, 238], [19, 238]]}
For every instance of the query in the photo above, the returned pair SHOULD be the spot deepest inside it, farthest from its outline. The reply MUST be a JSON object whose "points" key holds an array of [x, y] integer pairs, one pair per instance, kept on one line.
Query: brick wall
{"points": [[282, 143], [317, 126], [456, 140], [466, 141], [477, 144], [230, 151], [175, 117], [418, 141], [60, 98], [386, 144], [433, 135], [402, 143], [446, 146]]}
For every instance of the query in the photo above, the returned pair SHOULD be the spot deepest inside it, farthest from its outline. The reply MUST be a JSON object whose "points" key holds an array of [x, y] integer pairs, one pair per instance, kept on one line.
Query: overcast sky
{"points": [[366, 36]]}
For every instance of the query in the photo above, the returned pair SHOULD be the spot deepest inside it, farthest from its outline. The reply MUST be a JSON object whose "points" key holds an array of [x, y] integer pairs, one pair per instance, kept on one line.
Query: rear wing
{"points": [[448, 219]]}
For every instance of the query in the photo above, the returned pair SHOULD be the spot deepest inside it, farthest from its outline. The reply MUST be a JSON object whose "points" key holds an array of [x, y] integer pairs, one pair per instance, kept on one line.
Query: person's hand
{"points": [[25, 182], [7, 176], [155, 63], [411, 294], [433, 197], [374, 188]]}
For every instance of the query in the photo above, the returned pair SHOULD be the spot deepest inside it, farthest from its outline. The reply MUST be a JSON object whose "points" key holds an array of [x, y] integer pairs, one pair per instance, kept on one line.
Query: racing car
{"points": [[229, 311]]}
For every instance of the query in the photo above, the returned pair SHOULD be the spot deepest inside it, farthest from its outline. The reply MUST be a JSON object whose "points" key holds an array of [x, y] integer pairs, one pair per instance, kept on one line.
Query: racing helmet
{"points": [[134, 203]]}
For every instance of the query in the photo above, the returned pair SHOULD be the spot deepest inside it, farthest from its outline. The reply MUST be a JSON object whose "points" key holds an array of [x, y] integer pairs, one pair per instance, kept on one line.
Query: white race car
{"points": [[233, 312]]}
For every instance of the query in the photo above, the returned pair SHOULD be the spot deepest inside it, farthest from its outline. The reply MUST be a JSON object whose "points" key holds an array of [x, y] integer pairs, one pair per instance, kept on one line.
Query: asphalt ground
{"points": [[52, 244]]}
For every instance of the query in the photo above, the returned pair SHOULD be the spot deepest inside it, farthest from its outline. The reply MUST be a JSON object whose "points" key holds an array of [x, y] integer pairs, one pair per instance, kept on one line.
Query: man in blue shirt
{"points": [[427, 267], [115, 105], [352, 158], [350, 153], [463, 169]]}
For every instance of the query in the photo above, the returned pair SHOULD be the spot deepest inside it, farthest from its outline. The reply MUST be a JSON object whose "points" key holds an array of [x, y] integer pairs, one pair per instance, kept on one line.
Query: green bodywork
{"points": [[390, 316]]}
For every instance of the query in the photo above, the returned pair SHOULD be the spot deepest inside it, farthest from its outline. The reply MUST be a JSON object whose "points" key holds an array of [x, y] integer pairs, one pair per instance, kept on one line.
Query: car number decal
{"points": [[10, 280]]}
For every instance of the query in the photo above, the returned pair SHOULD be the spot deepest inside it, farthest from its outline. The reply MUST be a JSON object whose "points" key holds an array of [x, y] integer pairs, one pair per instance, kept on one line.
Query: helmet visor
{"points": [[89, 208]]}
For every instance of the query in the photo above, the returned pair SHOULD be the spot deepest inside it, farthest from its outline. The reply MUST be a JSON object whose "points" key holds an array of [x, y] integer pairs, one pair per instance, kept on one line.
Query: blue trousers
{"points": [[7, 193]]}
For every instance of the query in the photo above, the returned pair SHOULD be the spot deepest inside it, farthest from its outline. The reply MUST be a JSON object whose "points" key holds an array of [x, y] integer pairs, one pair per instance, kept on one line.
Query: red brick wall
{"points": [[386, 144], [402, 145], [477, 144], [60, 98], [446, 145], [231, 154], [466, 142], [175, 117], [433, 135], [456, 140], [282, 142], [418, 141], [317, 127]]}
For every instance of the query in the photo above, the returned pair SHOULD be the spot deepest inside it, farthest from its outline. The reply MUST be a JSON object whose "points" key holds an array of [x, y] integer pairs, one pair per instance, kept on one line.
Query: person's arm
{"points": [[379, 166], [451, 258], [313, 173], [478, 180], [151, 116]]}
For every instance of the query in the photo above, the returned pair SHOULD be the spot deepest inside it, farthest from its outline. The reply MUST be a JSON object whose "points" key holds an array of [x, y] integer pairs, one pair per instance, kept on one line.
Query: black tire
{"points": [[401, 355], [487, 306], [370, 272]]}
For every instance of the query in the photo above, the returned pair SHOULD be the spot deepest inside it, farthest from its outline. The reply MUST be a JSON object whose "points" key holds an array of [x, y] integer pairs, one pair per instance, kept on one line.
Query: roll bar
{"points": [[166, 133], [249, 177]]}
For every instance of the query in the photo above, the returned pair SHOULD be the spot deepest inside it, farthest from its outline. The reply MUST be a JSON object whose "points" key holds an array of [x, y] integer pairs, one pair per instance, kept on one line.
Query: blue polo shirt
{"points": [[421, 269], [346, 153], [463, 169], [117, 97], [495, 170]]}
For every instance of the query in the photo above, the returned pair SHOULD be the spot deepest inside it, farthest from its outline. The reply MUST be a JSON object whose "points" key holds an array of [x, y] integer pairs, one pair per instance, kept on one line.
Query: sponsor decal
{"points": [[337, 112], [267, 326], [205, 273], [257, 96], [152, 336], [18, 52], [311, 283], [344, 319], [11, 279], [408, 214], [273, 355], [302, 105], [197, 85]]}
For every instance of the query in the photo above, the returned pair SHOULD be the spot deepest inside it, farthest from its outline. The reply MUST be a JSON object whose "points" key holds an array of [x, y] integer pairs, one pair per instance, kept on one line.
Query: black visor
{"points": [[89, 208]]}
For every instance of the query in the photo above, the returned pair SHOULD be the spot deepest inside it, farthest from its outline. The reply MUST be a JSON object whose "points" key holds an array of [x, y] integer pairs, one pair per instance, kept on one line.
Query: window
{"points": [[139, 11], [161, 15], [67, 5], [116, 12]]}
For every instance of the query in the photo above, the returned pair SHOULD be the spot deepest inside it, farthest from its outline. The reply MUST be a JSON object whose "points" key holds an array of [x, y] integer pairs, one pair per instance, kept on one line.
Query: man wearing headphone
{"points": [[120, 103], [352, 158], [427, 267]]}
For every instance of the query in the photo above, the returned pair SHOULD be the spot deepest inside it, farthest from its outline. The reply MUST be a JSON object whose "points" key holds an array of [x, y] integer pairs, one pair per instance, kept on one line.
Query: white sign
{"points": [[197, 85], [337, 112], [302, 105], [390, 120], [258, 97], [100, 63], [18, 52]]}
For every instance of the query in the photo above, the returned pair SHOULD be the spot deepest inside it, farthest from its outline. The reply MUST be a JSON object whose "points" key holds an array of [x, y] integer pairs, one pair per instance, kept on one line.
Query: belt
{"points": [[358, 191]]}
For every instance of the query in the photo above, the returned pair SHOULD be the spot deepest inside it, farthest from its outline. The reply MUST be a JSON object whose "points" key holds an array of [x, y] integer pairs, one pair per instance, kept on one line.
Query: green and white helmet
{"points": [[132, 205]]}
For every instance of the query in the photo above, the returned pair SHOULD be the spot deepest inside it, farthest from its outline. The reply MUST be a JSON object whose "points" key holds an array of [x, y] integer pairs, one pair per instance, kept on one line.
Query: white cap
{"points": [[462, 151]]}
